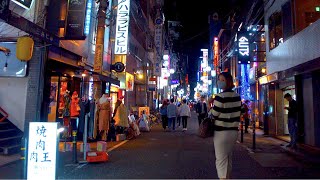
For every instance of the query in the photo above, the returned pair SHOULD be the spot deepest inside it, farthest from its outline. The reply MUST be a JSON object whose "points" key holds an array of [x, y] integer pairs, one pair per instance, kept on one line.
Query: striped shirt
{"points": [[226, 110]]}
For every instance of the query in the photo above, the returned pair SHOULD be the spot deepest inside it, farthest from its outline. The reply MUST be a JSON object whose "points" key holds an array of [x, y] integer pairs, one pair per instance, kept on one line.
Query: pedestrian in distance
{"points": [[172, 115], [185, 114], [163, 112], [226, 112], [245, 115], [292, 120], [201, 110], [178, 114]]}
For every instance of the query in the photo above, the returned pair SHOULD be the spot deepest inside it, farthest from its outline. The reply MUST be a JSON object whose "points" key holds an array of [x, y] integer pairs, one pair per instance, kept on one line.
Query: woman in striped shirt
{"points": [[226, 112]]}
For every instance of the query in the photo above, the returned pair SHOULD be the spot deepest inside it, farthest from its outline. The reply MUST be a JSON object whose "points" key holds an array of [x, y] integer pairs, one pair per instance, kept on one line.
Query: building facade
{"points": [[293, 66]]}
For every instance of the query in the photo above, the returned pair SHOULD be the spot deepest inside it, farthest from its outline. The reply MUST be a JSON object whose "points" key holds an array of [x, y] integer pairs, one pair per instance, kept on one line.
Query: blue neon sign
{"points": [[88, 18]]}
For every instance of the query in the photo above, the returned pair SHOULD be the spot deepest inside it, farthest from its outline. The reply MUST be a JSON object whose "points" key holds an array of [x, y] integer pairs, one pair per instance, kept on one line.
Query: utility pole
{"points": [[98, 57]]}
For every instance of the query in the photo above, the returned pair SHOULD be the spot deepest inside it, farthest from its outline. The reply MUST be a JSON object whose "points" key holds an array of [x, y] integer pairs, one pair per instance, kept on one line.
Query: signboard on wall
{"points": [[23, 3], [129, 82], [42, 150], [122, 27], [76, 19], [97, 66]]}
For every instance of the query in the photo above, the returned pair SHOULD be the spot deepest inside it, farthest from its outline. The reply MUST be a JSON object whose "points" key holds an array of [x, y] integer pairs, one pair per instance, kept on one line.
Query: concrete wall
{"points": [[13, 95], [300, 48], [308, 110]]}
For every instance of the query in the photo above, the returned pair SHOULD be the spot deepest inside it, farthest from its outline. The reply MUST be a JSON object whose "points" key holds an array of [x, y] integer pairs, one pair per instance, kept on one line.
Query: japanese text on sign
{"points": [[122, 25], [42, 149]]}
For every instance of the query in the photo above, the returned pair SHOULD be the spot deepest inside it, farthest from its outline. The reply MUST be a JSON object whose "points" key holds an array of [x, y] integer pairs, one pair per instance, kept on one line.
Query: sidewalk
{"points": [[272, 145], [65, 165]]}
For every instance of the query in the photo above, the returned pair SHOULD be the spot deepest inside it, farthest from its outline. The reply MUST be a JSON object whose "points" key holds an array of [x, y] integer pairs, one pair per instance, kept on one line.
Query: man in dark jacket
{"points": [[201, 109], [292, 120]]}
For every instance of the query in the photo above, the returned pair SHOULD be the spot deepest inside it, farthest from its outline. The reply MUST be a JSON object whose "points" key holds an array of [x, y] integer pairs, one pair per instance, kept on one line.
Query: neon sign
{"points": [[88, 18], [243, 49]]}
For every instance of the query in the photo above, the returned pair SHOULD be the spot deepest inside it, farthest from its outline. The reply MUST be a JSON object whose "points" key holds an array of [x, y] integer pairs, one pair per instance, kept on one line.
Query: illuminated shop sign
{"points": [[174, 81], [122, 25], [23, 3], [243, 49], [216, 52], [42, 150], [88, 18]]}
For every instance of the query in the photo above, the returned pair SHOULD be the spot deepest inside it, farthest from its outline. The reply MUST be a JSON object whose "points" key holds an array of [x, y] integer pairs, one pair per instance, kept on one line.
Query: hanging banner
{"points": [[129, 82], [42, 150], [122, 27], [76, 19]]}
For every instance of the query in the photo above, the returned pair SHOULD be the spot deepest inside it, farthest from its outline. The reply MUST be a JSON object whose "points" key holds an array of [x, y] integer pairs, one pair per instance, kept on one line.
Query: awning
{"points": [[109, 79], [268, 78]]}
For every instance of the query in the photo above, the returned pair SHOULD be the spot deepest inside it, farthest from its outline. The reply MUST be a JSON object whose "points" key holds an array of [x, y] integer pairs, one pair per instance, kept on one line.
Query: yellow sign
{"points": [[129, 82], [146, 109], [97, 64]]}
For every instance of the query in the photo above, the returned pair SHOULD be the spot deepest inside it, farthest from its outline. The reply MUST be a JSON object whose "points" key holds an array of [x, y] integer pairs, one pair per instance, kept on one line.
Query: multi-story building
{"points": [[293, 59], [21, 82], [140, 73]]}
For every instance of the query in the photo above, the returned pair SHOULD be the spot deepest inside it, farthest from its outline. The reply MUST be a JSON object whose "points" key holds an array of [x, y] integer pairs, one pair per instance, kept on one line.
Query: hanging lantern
{"points": [[24, 48]]}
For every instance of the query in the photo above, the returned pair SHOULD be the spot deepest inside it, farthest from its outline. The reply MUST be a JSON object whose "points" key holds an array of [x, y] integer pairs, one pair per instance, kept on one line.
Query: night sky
{"points": [[194, 19]]}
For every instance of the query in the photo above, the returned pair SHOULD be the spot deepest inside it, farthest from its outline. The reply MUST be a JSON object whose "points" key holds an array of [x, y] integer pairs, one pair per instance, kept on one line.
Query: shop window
{"points": [[287, 20], [275, 30]]}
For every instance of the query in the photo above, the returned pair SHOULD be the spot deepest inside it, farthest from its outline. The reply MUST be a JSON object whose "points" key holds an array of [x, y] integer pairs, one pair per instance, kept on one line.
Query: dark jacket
{"points": [[198, 108]]}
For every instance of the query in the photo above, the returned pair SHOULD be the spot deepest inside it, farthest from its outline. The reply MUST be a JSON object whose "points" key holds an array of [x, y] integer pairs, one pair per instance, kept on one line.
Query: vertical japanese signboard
{"points": [[158, 45], [42, 150], [122, 27], [216, 53], [76, 19], [243, 49], [97, 66]]}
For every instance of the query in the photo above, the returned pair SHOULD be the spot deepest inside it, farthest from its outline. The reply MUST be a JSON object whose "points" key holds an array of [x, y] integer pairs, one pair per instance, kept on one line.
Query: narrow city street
{"points": [[178, 155]]}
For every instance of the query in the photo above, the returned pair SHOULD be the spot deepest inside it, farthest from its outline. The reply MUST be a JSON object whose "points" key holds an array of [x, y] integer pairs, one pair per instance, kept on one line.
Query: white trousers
{"points": [[224, 142]]}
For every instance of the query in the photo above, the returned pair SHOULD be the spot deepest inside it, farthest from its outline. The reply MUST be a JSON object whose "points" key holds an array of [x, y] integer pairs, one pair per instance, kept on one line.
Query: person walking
{"points": [[172, 114], [163, 112], [226, 112], [201, 109], [184, 114], [178, 114], [292, 120], [245, 110]]}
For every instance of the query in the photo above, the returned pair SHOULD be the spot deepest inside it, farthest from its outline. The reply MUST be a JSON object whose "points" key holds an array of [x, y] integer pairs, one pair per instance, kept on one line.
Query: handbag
{"points": [[206, 128]]}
